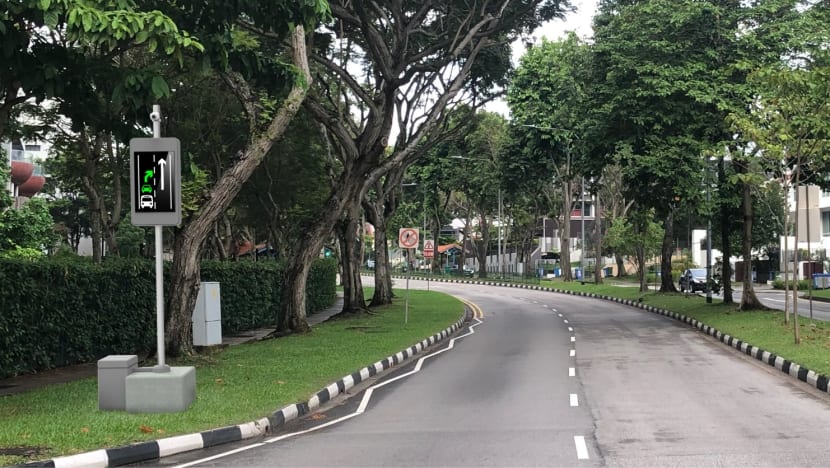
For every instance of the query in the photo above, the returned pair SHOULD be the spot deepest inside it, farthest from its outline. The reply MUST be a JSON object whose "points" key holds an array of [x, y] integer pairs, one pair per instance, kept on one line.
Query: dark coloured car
{"points": [[693, 280]]}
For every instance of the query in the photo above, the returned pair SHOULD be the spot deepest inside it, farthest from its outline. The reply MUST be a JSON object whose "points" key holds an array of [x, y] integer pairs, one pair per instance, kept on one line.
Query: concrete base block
{"points": [[161, 392], [112, 373]]}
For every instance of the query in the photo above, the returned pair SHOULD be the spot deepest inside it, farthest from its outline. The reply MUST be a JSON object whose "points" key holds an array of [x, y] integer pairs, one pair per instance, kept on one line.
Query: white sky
{"points": [[579, 21]]}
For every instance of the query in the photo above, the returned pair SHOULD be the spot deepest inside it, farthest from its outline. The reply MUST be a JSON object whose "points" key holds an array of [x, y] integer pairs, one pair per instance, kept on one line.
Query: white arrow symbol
{"points": [[162, 163]]}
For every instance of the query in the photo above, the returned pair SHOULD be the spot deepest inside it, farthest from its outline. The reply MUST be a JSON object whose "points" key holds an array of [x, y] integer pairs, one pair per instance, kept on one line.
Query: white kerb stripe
{"points": [[290, 412], [379, 366], [364, 374], [173, 445], [573, 352], [565, 321], [348, 382], [581, 448], [574, 400], [313, 402], [334, 390], [91, 459], [573, 338], [570, 329], [571, 372]]}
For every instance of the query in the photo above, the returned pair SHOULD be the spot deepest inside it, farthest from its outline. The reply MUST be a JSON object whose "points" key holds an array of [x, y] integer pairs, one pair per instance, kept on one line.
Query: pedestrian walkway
{"points": [[29, 382]]}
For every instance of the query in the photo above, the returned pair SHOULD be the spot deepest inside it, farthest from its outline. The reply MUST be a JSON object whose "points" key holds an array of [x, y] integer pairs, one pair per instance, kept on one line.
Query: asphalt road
{"points": [[602, 384]]}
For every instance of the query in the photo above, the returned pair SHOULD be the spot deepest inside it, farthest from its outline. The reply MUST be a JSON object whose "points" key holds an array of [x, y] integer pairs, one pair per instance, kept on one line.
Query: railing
{"points": [[25, 156]]}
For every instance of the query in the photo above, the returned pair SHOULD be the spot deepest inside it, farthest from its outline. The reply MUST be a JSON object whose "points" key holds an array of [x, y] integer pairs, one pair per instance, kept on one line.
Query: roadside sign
{"points": [[429, 248], [155, 181], [408, 238]]}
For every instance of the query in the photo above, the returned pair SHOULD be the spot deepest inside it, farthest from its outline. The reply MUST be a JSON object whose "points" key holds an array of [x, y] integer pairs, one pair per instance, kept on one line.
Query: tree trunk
{"points": [[96, 232], [598, 241], [383, 279], [666, 280], [749, 301], [725, 229], [353, 298], [184, 287], [565, 233], [640, 252], [185, 271], [620, 266], [482, 247]]}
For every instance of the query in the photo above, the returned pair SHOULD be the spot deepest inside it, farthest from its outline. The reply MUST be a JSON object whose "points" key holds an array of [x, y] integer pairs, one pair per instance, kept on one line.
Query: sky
{"points": [[579, 21]]}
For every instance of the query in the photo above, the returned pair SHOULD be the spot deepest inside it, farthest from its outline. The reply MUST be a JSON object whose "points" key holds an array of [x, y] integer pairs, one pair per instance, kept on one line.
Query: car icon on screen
{"points": [[146, 189], [146, 201]]}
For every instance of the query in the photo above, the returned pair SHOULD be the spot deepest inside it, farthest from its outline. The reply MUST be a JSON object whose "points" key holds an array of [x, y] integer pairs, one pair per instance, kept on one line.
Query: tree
{"points": [[28, 228], [270, 91], [548, 97], [43, 44], [789, 122], [405, 64], [667, 74], [638, 236]]}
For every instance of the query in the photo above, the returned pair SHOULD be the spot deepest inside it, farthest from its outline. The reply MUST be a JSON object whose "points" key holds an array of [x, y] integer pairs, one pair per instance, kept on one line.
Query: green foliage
{"points": [[22, 253], [30, 226], [65, 311], [625, 237], [132, 240]]}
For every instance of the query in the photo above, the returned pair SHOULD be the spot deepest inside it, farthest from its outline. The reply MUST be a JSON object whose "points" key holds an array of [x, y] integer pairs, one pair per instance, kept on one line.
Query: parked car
{"points": [[694, 280], [469, 270], [370, 264]]}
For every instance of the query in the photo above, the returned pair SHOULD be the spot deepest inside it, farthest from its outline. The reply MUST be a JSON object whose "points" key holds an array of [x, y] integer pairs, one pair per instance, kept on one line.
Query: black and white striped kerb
{"points": [[291, 412], [156, 449]]}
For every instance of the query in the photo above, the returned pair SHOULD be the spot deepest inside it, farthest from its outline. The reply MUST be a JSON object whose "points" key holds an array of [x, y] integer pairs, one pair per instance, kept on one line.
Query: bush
{"points": [[57, 312], [778, 283]]}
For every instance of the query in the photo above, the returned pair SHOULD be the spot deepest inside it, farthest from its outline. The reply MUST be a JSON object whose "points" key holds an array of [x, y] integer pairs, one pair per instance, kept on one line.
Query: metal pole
{"points": [[161, 366], [406, 302]]}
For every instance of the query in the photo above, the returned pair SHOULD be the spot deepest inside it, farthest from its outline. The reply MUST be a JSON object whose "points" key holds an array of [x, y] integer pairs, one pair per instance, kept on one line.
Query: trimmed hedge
{"points": [[58, 312]]}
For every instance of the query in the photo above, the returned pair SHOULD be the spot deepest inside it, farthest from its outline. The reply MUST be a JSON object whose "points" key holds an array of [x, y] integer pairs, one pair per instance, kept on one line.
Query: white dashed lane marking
{"points": [[571, 372], [573, 352], [581, 448], [574, 400]]}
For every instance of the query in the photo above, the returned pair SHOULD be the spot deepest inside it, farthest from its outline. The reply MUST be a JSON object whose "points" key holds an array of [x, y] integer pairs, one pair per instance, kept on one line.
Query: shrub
{"points": [[57, 312]]}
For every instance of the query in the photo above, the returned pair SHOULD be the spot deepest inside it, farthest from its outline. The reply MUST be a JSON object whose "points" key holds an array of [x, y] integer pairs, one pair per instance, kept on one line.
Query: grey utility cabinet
{"points": [[207, 316]]}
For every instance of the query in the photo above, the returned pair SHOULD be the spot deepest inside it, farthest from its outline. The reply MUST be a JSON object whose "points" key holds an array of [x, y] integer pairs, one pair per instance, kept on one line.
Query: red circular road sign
{"points": [[408, 238]]}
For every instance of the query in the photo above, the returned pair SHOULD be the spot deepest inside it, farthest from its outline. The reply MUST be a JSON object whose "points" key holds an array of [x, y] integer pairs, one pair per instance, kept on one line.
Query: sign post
{"points": [[407, 239], [429, 253], [156, 196]]}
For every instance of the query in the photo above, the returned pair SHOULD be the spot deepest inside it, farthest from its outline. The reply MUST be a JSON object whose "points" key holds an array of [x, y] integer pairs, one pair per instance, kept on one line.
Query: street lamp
{"points": [[501, 263]]}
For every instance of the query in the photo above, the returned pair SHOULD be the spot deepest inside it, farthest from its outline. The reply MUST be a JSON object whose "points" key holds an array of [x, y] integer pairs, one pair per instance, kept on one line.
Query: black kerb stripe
{"points": [[133, 453], [221, 436]]}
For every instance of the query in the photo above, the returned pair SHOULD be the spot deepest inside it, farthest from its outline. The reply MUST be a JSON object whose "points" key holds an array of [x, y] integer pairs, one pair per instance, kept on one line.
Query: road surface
{"points": [[557, 380]]}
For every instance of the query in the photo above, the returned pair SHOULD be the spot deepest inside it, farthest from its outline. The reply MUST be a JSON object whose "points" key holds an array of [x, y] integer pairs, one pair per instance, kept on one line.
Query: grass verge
{"points": [[236, 385]]}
